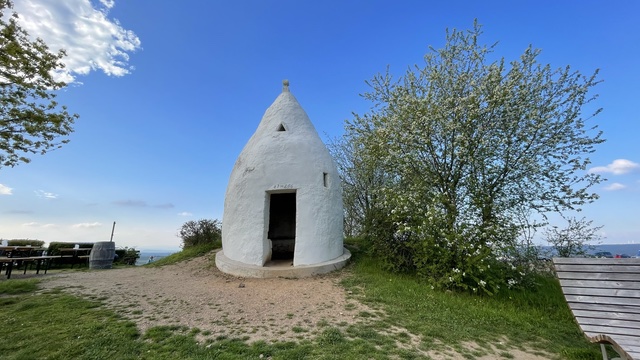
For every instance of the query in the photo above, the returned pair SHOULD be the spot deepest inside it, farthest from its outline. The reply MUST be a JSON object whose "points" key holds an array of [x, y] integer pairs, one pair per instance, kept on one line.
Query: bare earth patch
{"points": [[196, 294]]}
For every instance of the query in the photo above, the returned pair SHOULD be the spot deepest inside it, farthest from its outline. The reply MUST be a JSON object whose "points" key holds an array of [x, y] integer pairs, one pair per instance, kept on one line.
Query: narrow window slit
{"points": [[325, 179]]}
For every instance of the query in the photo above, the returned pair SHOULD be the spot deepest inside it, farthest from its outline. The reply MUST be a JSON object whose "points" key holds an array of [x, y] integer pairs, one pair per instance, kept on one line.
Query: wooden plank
{"points": [[46, 257], [594, 332], [5, 259], [612, 331], [631, 347], [600, 300], [631, 354], [596, 276], [589, 268], [607, 315], [619, 343], [629, 344], [596, 261], [623, 293], [631, 350], [628, 324], [628, 347], [626, 340], [602, 284], [623, 309]]}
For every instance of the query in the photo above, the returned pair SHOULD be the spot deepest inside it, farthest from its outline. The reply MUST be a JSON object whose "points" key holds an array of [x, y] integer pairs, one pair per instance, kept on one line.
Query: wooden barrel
{"points": [[102, 255]]}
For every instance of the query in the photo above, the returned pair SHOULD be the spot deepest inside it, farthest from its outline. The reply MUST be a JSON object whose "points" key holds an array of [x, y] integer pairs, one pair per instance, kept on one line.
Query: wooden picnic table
{"points": [[77, 255], [19, 249], [77, 250], [38, 260]]}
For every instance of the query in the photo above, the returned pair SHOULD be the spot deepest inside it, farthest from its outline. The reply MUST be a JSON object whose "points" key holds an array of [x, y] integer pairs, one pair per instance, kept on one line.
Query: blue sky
{"points": [[168, 93]]}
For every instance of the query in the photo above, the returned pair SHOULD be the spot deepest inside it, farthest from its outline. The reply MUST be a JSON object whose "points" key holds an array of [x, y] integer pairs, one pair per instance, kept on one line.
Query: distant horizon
{"points": [[175, 249]]}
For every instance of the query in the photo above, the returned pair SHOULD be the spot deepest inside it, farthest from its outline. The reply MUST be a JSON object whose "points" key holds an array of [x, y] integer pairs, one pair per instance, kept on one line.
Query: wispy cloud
{"points": [[37, 224], [617, 167], [5, 190], [92, 40], [108, 3], [615, 186], [46, 195], [185, 213], [86, 225]]}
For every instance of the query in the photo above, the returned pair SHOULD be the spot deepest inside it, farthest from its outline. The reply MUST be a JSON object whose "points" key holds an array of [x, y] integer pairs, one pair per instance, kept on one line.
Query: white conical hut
{"points": [[283, 212]]}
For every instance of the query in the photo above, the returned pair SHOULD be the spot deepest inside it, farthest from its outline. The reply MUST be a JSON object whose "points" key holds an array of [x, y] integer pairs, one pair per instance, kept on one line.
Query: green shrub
{"points": [[186, 254], [411, 237], [54, 246], [25, 242], [126, 256], [203, 231]]}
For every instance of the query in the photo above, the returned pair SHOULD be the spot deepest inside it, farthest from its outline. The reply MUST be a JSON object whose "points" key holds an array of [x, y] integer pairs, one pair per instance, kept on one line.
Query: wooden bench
{"points": [[75, 255], [24, 261], [604, 297]]}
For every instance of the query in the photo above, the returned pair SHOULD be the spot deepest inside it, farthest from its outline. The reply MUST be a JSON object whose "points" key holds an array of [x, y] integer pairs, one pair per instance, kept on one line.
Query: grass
{"points": [[407, 319], [186, 254], [60, 326], [537, 319], [18, 287]]}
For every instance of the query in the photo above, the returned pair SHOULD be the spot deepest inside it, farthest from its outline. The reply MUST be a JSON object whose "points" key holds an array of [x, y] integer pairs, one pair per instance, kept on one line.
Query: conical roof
{"points": [[285, 117]]}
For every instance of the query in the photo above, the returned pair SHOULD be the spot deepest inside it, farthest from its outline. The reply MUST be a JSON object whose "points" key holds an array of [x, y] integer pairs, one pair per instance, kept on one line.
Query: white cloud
{"points": [[617, 167], [5, 190], [91, 39], [46, 195], [108, 3], [38, 225], [185, 213], [86, 225], [615, 186]]}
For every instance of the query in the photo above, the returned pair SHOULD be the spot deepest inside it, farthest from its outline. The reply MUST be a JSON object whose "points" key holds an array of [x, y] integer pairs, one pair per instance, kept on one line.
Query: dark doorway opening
{"points": [[282, 225]]}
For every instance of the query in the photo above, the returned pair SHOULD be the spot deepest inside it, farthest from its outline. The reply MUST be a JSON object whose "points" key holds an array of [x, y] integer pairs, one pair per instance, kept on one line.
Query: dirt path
{"points": [[197, 294]]}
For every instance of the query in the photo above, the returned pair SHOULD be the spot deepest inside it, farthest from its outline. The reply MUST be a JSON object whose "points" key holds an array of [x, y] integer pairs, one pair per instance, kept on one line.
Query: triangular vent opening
{"points": [[281, 128]]}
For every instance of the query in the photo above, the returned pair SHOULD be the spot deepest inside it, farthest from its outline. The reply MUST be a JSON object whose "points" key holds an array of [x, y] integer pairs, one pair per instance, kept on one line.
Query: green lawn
{"points": [[409, 320]]}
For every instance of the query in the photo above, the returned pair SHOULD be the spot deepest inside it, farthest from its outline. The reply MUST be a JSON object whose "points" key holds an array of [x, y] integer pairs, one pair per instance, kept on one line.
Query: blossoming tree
{"points": [[472, 149]]}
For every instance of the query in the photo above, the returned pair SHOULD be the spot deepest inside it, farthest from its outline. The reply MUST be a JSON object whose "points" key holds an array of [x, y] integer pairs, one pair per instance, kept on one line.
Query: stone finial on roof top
{"points": [[285, 85]]}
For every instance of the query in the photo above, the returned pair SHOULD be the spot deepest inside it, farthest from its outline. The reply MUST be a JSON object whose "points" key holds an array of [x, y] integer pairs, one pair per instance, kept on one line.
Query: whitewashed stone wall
{"points": [[285, 154]]}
